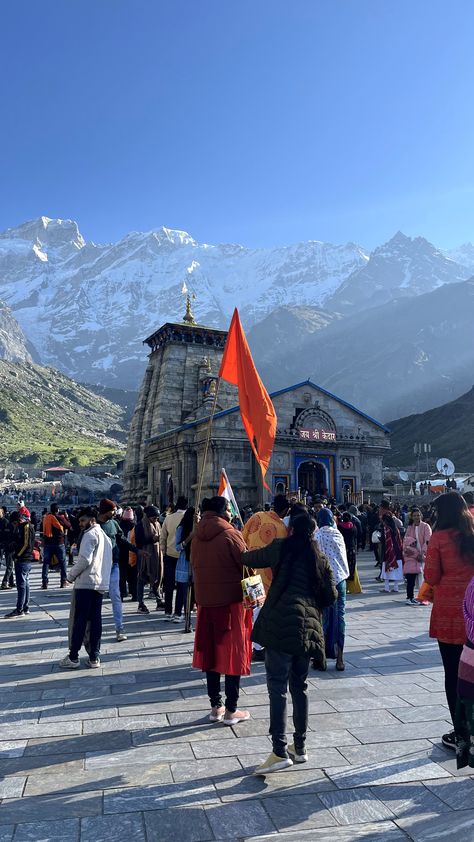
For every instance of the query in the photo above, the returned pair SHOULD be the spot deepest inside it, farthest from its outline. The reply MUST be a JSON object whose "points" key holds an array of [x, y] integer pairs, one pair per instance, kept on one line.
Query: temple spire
{"points": [[189, 315]]}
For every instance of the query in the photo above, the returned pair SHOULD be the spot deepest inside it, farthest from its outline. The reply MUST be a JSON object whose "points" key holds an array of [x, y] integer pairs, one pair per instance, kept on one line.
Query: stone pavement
{"points": [[126, 752]]}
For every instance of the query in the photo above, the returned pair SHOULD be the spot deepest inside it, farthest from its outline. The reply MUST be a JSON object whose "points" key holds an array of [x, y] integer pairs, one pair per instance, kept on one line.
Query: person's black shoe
{"points": [[44, 586], [13, 614], [26, 611], [449, 740], [258, 656]]}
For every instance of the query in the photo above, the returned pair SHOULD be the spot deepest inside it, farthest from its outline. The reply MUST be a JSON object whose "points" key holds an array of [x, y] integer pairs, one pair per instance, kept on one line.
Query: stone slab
{"points": [[228, 819], [355, 806], [298, 812], [66, 830], [457, 794], [123, 828], [146, 798], [422, 713], [79, 744], [49, 807], [12, 748], [186, 824], [400, 770], [199, 770], [12, 787], [443, 827], [401, 732], [139, 756], [379, 832], [124, 723], [110, 778], [412, 799]]}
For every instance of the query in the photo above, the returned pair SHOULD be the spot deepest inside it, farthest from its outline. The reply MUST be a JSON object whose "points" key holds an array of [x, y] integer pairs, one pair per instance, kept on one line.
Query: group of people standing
{"points": [[307, 568]]}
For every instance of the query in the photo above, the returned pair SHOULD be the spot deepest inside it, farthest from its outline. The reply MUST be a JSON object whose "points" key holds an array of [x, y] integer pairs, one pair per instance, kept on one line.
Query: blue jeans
{"points": [[282, 670], [87, 609], [59, 550], [115, 598], [22, 572]]}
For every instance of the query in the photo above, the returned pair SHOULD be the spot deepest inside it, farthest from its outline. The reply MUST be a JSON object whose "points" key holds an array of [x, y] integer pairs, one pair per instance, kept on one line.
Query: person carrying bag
{"points": [[289, 627]]}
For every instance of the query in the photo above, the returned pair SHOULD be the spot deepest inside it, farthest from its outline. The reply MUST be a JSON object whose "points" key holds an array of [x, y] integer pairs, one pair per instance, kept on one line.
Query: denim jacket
{"points": [[182, 566]]}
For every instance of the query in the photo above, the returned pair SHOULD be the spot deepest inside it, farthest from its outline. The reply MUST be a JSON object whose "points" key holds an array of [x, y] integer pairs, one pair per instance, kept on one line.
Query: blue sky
{"points": [[256, 121]]}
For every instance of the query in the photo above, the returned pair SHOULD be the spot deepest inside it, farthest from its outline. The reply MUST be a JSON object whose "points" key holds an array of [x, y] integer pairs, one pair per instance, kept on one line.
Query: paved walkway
{"points": [[126, 753]]}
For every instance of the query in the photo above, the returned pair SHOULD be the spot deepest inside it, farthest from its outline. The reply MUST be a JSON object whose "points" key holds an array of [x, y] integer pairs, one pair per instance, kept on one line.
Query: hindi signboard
{"points": [[317, 435]]}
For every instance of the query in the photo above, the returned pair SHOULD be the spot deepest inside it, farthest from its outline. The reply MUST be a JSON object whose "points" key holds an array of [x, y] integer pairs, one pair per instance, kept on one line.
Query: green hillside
{"points": [[45, 417], [449, 428]]}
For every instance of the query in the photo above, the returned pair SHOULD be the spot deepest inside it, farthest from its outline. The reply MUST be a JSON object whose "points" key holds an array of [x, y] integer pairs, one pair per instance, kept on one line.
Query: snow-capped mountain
{"points": [[402, 268], [464, 255], [88, 307]]}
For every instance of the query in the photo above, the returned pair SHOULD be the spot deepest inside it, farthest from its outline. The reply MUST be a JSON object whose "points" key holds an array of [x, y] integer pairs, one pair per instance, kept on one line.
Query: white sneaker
{"points": [[93, 665], [167, 618], [120, 636], [176, 618], [297, 758], [273, 763], [67, 664]]}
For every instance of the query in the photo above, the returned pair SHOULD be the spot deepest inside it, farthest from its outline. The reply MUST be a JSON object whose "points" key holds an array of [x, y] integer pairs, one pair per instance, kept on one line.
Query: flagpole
{"points": [[187, 626]]}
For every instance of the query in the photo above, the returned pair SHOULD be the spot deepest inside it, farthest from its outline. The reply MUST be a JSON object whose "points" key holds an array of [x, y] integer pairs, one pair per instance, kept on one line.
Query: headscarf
{"points": [[325, 518]]}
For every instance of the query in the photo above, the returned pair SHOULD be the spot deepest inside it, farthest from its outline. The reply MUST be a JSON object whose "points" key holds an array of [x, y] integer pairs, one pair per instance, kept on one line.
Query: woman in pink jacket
{"points": [[415, 545]]}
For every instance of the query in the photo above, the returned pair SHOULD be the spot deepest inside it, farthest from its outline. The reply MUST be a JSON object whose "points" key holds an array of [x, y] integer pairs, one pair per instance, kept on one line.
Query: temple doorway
{"points": [[312, 478]]}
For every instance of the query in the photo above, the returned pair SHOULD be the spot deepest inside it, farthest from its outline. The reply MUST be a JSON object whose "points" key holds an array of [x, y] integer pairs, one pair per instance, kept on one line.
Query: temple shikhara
{"points": [[323, 444]]}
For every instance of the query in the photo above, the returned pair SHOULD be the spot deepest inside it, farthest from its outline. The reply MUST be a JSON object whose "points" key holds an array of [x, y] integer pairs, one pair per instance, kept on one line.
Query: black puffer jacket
{"points": [[291, 618]]}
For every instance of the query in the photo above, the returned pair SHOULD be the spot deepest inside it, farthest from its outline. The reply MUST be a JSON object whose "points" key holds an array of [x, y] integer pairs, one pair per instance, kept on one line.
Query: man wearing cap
{"points": [[106, 519], [23, 543]]}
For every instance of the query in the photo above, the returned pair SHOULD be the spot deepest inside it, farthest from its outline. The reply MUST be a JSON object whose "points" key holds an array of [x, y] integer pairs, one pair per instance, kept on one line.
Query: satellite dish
{"points": [[445, 466], [403, 476]]}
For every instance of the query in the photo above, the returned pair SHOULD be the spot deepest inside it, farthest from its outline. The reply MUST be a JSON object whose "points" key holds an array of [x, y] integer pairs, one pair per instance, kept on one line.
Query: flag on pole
{"points": [[225, 490], [256, 409]]}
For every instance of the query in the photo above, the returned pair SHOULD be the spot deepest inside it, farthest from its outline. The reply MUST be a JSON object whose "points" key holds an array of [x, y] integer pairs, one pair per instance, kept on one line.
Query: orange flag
{"points": [[257, 411]]}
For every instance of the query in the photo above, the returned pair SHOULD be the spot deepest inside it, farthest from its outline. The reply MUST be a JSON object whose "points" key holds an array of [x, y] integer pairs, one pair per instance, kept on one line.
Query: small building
{"points": [[323, 444]]}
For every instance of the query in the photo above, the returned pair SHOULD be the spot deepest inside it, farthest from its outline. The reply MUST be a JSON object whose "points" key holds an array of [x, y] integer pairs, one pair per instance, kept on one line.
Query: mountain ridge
{"points": [[87, 306]]}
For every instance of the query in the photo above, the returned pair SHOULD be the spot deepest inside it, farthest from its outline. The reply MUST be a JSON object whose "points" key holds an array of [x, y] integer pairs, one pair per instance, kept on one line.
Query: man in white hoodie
{"points": [[91, 575]]}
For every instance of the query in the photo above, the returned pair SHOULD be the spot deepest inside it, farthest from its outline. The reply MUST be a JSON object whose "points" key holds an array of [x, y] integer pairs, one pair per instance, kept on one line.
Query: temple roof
{"points": [[181, 332], [190, 424]]}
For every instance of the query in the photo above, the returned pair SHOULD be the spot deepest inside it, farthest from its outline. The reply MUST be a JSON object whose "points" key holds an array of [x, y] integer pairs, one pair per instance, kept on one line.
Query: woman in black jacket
{"points": [[289, 627]]}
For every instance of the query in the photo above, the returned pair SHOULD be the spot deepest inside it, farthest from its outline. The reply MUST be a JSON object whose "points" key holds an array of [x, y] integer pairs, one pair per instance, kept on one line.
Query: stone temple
{"points": [[323, 444]]}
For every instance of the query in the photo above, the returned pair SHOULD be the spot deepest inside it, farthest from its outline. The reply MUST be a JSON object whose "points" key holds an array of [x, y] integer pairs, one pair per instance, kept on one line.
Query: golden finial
{"points": [[188, 316]]}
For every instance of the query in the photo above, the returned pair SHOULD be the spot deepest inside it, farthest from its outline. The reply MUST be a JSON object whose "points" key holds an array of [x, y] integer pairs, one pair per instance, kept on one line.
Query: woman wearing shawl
{"points": [[331, 544], [149, 560], [392, 552], [415, 546]]}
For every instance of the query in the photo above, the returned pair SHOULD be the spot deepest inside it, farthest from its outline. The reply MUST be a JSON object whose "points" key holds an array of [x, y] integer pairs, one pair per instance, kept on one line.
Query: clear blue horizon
{"points": [[259, 123]]}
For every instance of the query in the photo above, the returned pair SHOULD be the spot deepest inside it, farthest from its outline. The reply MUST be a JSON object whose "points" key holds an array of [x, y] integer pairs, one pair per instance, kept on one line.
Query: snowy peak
{"points": [[464, 255], [51, 277], [402, 267], [44, 239]]}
